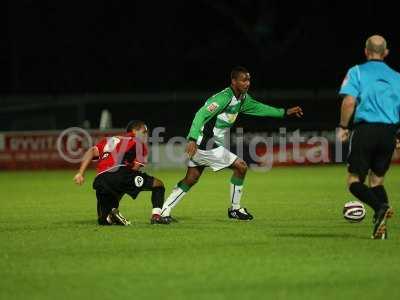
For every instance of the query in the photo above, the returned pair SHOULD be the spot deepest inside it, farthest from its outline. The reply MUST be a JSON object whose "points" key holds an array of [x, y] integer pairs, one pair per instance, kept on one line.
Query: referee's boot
{"points": [[115, 218], [380, 218], [239, 214]]}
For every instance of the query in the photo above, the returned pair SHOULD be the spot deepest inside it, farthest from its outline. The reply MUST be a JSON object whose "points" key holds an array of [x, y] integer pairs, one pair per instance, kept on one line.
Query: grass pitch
{"points": [[297, 247]]}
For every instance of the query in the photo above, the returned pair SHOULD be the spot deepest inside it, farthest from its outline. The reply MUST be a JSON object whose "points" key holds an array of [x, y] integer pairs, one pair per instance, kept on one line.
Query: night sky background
{"points": [[67, 47], [114, 46]]}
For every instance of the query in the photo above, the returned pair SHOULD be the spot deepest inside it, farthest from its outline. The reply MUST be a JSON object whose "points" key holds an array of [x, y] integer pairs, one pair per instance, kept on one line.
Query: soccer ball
{"points": [[354, 211]]}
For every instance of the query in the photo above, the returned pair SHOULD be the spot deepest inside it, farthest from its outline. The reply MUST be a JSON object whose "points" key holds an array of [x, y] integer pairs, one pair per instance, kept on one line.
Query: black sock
{"points": [[380, 193], [157, 196], [364, 194]]}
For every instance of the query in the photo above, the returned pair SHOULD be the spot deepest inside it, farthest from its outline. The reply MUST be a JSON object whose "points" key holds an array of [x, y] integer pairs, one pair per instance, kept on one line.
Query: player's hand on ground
{"points": [[191, 148], [343, 134], [79, 179], [297, 111]]}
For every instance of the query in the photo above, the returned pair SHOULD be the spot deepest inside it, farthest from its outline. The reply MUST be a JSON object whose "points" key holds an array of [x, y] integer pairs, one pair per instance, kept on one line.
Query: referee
{"points": [[372, 91]]}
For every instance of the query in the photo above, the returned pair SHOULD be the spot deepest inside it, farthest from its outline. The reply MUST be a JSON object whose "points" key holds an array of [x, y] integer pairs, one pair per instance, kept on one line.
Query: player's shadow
{"points": [[134, 221], [84, 222], [321, 235]]}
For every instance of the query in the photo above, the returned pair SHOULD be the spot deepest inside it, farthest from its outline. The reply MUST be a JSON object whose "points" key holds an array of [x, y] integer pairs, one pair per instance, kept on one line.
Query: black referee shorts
{"points": [[371, 148], [111, 186]]}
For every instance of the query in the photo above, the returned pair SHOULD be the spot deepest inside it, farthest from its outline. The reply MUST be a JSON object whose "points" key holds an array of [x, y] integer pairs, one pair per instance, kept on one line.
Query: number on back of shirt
{"points": [[110, 146]]}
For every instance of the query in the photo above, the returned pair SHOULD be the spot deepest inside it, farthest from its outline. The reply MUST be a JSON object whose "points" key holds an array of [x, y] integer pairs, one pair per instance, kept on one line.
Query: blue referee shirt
{"points": [[377, 89]]}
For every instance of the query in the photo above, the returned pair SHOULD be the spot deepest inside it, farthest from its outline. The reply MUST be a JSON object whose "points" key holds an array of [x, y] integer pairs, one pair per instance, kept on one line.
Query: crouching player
{"points": [[120, 159]]}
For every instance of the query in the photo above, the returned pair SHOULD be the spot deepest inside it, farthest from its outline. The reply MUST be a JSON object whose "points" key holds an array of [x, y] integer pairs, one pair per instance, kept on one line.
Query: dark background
{"points": [[56, 53]]}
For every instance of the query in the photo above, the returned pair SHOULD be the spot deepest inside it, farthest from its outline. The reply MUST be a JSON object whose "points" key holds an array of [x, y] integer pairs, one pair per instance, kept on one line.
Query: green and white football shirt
{"points": [[213, 120]]}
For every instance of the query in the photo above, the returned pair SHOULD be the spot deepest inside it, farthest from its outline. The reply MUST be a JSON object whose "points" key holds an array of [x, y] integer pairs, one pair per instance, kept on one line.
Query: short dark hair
{"points": [[134, 124], [237, 70]]}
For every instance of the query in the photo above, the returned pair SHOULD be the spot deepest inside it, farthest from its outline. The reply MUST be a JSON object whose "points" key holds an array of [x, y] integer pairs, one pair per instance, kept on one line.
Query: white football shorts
{"points": [[217, 159]]}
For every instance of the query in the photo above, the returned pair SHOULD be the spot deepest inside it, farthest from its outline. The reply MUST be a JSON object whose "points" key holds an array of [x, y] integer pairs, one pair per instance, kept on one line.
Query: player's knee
{"points": [[242, 167], [158, 189], [353, 179], [158, 183], [376, 180]]}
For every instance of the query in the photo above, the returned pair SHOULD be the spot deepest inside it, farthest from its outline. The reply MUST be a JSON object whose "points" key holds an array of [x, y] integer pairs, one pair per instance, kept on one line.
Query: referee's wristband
{"points": [[343, 127]]}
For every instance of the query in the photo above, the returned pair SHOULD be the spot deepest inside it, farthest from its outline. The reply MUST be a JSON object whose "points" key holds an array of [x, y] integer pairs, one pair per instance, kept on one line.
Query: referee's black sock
{"points": [[380, 193], [364, 194]]}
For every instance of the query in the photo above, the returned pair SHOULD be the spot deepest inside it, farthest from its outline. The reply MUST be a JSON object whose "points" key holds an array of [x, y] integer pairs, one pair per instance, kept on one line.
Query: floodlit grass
{"points": [[297, 247]]}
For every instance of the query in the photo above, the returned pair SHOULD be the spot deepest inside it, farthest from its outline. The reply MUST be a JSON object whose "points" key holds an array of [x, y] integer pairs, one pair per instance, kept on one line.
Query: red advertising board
{"points": [[290, 154], [46, 149], [64, 149], [302, 153]]}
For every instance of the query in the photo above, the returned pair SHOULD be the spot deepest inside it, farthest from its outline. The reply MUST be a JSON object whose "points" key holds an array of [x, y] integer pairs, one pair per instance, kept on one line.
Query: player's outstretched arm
{"points": [[91, 153], [256, 108]]}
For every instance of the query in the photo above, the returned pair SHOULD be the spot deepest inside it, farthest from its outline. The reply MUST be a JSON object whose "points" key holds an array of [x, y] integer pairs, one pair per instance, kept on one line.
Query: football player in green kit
{"points": [[205, 147]]}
